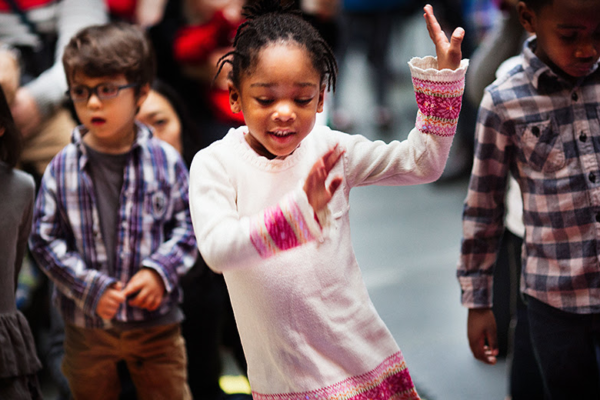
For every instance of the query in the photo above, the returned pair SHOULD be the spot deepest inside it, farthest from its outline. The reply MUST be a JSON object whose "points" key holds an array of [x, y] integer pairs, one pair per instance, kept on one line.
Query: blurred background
{"points": [[407, 239]]}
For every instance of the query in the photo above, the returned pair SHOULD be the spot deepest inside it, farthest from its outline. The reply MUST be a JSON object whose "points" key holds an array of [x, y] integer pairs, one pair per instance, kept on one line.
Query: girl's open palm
{"points": [[317, 192], [448, 53]]}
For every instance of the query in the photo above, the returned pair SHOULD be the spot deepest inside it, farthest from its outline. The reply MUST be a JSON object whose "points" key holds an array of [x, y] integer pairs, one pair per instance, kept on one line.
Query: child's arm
{"points": [[483, 225], [53, 247], [439, 85], [177, 254], [227, 240]]}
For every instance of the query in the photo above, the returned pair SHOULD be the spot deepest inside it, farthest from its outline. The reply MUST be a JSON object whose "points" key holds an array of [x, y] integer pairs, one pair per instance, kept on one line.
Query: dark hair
{"points": [[10, 142], [111, 49], [536, 5], [191, 139], [271, 21]]}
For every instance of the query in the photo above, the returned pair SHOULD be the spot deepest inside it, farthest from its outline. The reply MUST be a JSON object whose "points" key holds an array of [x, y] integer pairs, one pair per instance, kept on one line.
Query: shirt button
{"points": [[574, 96], [583, 137], [592, 177]]}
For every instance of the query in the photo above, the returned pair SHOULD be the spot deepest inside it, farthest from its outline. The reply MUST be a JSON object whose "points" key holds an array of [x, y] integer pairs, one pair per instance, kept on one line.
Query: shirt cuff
{"points": [[476, 292]]}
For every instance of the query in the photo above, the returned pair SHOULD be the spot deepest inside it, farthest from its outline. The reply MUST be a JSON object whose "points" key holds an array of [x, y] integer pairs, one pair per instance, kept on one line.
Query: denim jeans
{"points": [[566, 346]]}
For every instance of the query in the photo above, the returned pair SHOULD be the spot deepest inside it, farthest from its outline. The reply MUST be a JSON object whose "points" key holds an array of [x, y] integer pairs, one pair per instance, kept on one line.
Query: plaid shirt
{"points": [[154, 229], [547, 133]]}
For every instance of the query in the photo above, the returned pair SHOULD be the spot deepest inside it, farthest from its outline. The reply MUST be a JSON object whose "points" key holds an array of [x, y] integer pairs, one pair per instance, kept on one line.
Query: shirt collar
{"points": [[536, 69], [143, 134]]}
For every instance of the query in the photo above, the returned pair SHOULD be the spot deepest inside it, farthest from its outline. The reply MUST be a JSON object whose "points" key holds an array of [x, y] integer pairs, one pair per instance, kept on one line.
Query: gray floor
{"points": [[407, 243]]}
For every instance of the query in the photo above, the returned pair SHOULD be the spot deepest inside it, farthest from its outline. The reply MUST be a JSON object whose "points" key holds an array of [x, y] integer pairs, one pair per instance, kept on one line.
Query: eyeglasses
{"points": [[103, 91]]}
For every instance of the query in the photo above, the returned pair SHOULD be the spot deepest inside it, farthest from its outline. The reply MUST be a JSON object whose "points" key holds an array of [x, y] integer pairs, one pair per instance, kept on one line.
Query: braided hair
{"points": [[536, 5], [277, 21]]}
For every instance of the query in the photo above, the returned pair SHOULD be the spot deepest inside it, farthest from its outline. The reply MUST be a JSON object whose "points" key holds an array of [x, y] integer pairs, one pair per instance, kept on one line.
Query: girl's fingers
{"points": [[331, 158], [334, 185], [433, 27], [456, 41]]}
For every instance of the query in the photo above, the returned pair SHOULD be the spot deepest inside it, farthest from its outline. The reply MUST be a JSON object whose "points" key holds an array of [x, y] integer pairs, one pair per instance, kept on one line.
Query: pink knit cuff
{"points": [[439, 105], [279, 228]]}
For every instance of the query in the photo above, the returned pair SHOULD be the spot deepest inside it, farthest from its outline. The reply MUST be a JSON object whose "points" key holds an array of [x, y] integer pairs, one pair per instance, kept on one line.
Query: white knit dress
{"points": [[307, 324]]}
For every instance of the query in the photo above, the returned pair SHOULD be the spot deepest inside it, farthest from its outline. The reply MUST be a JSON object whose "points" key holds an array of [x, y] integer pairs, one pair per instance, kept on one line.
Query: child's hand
{"points": [[481, 329], [316, 191], [147, 288], [109, 302], [449, 54]]}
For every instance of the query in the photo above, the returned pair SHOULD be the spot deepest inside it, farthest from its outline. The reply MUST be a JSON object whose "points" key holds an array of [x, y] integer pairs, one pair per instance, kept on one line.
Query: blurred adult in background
{"points": [[209, 325], [369, 23], [145, 13], [207, 36], [39, 30], [189, 39]]}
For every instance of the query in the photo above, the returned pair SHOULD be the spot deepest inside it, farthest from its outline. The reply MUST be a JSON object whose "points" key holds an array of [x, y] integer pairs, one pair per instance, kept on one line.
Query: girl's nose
{"points": [[284, 112]]}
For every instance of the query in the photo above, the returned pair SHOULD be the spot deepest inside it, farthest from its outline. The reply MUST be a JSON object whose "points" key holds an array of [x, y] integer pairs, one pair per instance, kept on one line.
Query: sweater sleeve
{"points": [[422, 156], [227, 240]]}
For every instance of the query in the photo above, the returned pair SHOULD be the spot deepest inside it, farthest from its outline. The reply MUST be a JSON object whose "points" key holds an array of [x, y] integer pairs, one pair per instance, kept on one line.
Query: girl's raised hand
{"points": [[449, 54], [317, 192]]}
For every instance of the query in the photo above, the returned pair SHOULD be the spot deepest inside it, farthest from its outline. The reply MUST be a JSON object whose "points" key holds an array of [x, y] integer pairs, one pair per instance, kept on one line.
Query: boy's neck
{"points": [[115, 145], [570, 79]]}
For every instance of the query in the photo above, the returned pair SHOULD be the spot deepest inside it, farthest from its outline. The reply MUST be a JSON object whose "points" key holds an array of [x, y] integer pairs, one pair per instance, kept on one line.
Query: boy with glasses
{"points": [[112, 228]]}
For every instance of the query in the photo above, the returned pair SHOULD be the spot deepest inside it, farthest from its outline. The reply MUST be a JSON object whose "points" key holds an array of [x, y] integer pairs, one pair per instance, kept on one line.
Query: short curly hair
{"points": [[111, 49]]}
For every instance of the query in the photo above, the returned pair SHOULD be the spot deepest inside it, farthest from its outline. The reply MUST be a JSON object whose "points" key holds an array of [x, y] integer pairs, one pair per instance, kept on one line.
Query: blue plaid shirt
{"points": [[154, 229], [546, 132]]}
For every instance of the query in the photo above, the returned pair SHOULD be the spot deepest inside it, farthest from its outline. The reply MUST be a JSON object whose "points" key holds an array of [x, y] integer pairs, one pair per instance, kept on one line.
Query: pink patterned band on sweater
{"points": [[279, 228], [439, 105], [389, 381]]}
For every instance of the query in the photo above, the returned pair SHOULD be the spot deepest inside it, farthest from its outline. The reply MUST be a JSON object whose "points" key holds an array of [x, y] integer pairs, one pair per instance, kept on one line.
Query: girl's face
{"points": [[280, 98], [158, 113]]}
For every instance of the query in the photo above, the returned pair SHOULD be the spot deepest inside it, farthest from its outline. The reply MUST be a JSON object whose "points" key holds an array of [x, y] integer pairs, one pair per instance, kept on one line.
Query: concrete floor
{"points": [[407, 242]]}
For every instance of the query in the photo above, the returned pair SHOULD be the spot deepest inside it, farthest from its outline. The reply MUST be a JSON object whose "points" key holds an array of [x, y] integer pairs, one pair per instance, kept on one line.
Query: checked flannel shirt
{"points": [[154, 229], [546, 132]]}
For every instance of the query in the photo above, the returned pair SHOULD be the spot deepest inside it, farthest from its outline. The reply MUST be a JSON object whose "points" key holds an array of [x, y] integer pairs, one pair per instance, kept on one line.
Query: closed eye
{"points": [[569, 37], [303, 101], [264, 102]]}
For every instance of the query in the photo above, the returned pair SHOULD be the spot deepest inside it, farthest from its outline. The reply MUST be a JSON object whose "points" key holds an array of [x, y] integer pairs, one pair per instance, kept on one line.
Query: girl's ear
{"points": [[2, 130], [234, 98], [527, 17], [321, 99]]}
